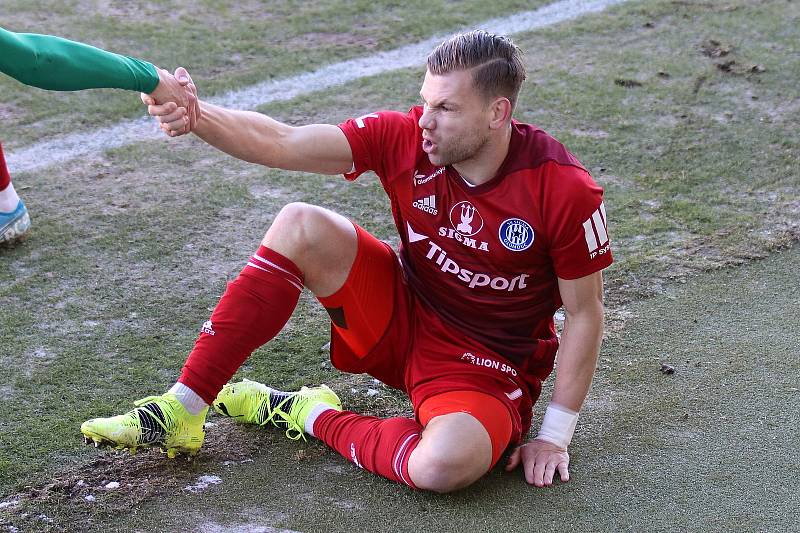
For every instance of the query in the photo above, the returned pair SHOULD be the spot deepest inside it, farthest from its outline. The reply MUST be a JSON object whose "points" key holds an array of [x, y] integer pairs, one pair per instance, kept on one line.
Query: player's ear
{"points": [[500, 112]]}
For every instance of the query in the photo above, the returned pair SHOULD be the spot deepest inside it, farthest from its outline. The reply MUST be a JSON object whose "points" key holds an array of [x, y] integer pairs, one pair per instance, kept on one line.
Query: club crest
{"points": [[516, 234]]}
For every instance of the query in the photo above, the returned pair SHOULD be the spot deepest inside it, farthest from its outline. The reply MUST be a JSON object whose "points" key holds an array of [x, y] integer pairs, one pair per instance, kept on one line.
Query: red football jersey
{"points": [[487, 258]]}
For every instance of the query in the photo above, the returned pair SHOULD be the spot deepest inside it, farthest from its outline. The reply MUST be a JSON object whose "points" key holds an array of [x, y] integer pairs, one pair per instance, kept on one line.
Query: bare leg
{"points": [[455, 451], [322, 244]]}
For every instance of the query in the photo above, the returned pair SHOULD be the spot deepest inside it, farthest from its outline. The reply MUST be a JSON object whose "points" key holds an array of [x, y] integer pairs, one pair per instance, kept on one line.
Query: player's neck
{"points": [[484, 165]]}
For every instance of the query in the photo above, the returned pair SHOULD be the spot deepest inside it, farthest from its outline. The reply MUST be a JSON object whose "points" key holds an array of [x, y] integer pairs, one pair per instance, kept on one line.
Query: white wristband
{"points": [[558, 425]]}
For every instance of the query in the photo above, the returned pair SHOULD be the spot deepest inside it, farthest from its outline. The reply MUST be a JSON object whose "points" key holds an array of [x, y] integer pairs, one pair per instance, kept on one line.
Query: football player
{"points": [[500, 225]]}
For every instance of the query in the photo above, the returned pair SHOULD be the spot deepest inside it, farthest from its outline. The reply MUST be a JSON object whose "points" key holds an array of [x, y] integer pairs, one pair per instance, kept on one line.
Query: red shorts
{"points": [[382, 329]]}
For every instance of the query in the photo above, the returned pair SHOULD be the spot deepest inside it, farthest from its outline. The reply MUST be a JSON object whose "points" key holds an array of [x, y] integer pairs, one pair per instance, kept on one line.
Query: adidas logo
{"points": [[427, 204], [596, 233], [208, 328]]}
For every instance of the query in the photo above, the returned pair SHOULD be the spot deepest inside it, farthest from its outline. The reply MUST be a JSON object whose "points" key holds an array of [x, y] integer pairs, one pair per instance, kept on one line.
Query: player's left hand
{"points": [[540, 461]]}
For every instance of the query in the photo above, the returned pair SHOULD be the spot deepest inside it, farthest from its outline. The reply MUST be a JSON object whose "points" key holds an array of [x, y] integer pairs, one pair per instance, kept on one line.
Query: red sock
{"points": [[254, 308], [380, 445], [5, 177]]}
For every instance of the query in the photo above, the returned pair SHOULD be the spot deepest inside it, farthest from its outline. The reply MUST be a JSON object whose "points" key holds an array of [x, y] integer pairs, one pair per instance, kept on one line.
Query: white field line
{"points": [[65, 147]]}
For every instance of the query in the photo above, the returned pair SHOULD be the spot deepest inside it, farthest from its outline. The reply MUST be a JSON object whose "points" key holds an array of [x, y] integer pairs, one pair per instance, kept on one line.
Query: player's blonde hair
{"points": [[495, 62]]}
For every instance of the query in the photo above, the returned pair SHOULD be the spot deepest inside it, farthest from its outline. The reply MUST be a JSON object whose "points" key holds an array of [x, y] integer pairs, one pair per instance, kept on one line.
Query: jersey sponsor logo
{"points": [[420, 178], [427, 204], [487, 362], [474, 279], [470, 221], [466, 222], [595, 231], [450, 233], [360, 120], [516, 234]]}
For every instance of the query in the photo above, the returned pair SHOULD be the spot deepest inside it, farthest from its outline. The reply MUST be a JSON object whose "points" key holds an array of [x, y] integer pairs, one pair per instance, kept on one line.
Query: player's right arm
{"points": [[257, 138]]}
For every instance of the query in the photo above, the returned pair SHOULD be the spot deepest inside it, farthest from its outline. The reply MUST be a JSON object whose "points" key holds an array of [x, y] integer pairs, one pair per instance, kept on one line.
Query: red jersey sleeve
{"points": [[576, 221], [380, 142]]}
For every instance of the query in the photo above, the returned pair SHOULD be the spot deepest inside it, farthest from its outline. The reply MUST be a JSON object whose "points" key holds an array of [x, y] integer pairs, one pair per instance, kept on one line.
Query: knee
{"points": [[448, 472], [321, 243], [295, 223]]}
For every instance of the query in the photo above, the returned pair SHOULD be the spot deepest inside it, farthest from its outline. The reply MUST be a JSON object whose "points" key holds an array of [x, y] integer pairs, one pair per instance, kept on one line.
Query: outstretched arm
{"points": [[257, 138], [319, 148], [577, 359], [57, 64]]}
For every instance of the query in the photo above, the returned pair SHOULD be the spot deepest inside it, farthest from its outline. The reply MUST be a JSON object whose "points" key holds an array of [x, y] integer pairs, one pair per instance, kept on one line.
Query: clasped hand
{"points": [[174, 102]]}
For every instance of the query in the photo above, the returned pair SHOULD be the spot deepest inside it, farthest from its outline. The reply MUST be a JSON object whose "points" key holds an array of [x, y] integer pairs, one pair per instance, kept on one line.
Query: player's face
{"points": [[455, 121]]}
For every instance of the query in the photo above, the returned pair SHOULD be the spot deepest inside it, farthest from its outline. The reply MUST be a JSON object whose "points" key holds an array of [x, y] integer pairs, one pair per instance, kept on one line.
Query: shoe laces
{"points": [[151, 399], [294, 431]]}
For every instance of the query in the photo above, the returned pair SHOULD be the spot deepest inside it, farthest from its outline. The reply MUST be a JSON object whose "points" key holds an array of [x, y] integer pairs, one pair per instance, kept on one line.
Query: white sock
{"points": [[188, 398], [8, 199], [313, 415]]}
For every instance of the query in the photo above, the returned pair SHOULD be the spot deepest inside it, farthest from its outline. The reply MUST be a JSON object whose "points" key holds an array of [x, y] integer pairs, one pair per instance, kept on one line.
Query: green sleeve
{"points": [[57, 64]]}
